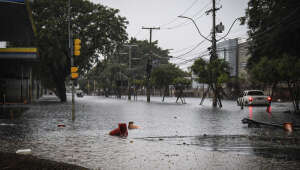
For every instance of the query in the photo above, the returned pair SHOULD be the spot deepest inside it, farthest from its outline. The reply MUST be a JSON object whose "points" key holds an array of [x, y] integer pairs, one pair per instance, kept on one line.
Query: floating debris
{"points": [[4, 124], [24, 151]]}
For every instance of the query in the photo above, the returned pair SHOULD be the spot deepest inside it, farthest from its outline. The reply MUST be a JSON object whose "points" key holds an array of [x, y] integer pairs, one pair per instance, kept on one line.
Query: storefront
{"points": [[18, 80]]}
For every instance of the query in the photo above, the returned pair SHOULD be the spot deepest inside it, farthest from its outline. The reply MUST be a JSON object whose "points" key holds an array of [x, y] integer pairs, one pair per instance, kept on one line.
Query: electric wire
{"points": [[185, 11], [191, 49], [183, 49], [193, 59], [187, 22], [187, 57]]}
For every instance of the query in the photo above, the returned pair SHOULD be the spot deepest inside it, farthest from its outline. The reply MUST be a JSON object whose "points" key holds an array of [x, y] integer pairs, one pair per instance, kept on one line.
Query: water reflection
{"points": [[250, 112]]}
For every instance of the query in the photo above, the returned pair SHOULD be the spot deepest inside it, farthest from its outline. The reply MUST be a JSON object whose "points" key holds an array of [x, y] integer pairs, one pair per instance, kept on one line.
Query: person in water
{"points": [[131, 125], [120, 131]]}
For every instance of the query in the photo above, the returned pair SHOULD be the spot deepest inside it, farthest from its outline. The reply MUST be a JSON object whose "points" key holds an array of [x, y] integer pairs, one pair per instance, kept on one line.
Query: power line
{"points": [[192, 49], [205, 53], [191, 55], [188, 55], [187, 22], [182, 49], [185, 11]]}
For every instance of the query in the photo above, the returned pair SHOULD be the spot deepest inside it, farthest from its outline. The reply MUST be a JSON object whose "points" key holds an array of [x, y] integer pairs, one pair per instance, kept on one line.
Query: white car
{"points": [[254, 97]]}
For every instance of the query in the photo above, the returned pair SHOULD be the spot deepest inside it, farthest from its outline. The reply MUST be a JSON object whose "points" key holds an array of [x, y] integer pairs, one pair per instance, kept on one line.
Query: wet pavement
{"points": [[171, 136]]}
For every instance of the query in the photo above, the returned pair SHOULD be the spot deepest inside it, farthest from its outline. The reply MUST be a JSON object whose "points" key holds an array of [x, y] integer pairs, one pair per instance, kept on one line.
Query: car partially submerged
{"points": [[254, 98]]}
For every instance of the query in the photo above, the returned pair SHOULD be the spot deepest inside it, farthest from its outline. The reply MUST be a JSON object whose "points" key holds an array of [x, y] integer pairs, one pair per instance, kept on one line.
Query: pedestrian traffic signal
{"points": [[74, 74], [77, 47]]}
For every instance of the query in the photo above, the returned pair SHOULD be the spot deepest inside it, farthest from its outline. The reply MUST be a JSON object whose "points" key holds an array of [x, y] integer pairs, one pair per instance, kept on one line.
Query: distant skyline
{"points": [[177, 33]]}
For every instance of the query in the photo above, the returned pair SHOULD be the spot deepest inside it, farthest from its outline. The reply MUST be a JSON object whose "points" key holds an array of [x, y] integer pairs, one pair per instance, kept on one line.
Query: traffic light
{"points": [[77, 47], [74, 74]]}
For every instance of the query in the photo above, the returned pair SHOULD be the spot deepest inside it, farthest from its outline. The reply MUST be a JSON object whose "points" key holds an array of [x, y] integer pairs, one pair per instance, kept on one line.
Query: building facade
{"points": [[19, 82], [243, 56], [228, 50]]}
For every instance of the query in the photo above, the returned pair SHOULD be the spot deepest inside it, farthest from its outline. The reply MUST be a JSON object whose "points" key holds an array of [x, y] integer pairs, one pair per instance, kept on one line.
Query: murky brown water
{"points": [[172, 136]]}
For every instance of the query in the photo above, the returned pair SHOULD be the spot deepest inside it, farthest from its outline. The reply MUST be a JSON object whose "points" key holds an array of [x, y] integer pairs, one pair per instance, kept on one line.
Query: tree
{"points": [[142, 53], [289, 72], [273, 28], [214, 73], [274, 34], [113, 73], [97, 26], [165, 75]]}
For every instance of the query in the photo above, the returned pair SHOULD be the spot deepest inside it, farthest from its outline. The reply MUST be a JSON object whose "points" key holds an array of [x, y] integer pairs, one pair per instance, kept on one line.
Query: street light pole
{"points": [[149, 62]]}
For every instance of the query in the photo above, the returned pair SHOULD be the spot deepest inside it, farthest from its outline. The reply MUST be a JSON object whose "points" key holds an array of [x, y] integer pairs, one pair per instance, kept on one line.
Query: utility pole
{"points": [[94, 87], [214, 48], [129, 67], [71, 57], [88, 87], [214, 56], [149, 61], [214, 41]]}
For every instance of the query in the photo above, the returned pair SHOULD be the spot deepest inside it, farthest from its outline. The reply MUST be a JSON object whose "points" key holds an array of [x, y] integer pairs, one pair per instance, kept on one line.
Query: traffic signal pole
{"points": [[71, 57]]}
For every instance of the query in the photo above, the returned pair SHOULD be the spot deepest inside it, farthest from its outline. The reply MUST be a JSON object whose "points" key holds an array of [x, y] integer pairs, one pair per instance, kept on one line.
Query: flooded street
{"points": [[171, 136]]}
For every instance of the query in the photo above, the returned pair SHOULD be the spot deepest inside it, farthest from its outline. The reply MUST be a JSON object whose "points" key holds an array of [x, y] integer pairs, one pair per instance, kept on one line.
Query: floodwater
{"points": [[171, 135]]}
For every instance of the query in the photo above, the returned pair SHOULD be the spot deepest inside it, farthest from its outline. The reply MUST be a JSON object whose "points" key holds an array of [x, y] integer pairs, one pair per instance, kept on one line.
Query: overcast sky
{"points": [[177, 33]]}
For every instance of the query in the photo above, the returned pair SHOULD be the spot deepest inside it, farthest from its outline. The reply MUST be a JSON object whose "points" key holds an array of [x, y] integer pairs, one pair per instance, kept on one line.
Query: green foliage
{"points": [[97, 26], [274, 28], [138, 83], [181, 81], [215, 71], [165, 75], [274, 32], [266, 71], [141, 54], [115, 67]]}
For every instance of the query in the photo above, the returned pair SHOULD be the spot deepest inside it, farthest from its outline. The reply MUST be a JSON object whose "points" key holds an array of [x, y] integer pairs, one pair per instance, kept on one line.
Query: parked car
{"points": [[254, 97], [79, 93]]}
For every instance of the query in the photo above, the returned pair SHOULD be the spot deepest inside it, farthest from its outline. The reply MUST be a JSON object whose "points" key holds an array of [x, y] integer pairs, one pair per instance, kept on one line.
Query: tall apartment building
{"points": [[236, 54], [228, 50]]}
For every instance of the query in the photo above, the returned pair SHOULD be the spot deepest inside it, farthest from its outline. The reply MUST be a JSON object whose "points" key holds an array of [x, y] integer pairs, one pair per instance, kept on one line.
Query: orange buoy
{"points": [[120, 131]]}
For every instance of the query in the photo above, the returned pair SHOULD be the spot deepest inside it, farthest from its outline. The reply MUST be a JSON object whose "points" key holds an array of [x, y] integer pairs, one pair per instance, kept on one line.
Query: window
{"points": [[255, 93]]}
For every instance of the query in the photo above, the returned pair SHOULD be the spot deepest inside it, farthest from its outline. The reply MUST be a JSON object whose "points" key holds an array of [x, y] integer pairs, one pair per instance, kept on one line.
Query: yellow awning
{"points": [[18, 53]]}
